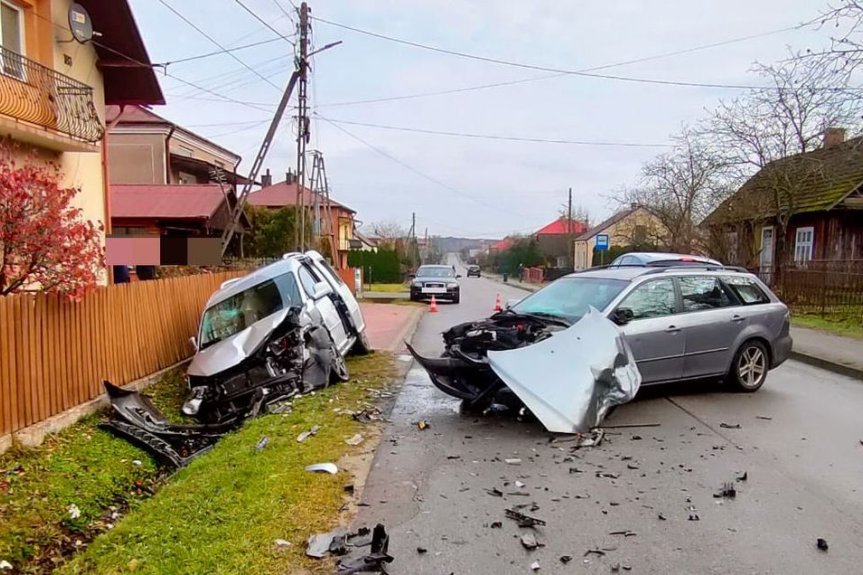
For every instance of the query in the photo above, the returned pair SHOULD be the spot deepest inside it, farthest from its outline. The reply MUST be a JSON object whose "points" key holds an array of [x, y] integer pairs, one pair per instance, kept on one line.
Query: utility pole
{"points": [[302, 125], [570, 251]]}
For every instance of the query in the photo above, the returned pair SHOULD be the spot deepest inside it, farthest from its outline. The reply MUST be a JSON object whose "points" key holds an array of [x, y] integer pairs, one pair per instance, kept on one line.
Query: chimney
{"points": [[833, 137], [267, 179], [289, 177]]}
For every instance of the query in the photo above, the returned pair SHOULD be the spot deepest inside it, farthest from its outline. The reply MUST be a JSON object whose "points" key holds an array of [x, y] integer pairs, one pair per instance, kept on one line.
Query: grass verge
{"points": [[223, 513], [846, 327], [388, 288], [83, 466]]}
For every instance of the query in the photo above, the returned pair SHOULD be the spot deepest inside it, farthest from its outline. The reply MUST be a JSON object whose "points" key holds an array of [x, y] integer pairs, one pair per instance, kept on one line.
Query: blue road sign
{"points": [[602, 242]]}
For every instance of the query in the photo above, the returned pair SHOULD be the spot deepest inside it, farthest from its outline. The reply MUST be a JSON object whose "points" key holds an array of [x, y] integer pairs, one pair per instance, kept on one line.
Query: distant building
{"points": [[633, 226], [553, 240]]}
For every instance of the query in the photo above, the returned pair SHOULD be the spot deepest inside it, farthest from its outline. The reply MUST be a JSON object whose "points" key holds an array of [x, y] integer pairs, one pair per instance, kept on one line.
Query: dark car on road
{"points": [[438, 281], [473, 270]]}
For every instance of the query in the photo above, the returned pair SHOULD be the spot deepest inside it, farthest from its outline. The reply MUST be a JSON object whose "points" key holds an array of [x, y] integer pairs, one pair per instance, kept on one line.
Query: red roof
{"points": [[172, 201], [284, 194], [134, 115], [559, 227], [502, 245]]}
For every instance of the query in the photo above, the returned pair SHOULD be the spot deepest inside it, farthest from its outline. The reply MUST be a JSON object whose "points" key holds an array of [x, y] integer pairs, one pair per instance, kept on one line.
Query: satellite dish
{"points": [[80, 23]]}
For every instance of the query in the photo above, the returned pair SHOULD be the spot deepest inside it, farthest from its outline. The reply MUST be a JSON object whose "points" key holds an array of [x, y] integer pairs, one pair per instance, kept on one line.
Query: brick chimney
{"points": [[833, 137], [289, 177], [267, 179]]}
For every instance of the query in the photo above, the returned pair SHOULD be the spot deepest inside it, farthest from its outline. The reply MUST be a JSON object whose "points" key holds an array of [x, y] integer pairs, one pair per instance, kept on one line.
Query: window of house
{"points": [[805, 238], [12, 40], [651, 299], [186, 178], [702, 293]]}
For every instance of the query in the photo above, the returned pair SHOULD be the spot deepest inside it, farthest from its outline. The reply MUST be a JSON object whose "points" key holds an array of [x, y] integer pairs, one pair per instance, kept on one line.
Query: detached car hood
{"points": [[229, 352], [570, 380]]}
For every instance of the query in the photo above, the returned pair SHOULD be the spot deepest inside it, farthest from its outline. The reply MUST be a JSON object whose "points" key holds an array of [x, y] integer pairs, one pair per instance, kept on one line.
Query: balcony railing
{"points": [[42, 96]]}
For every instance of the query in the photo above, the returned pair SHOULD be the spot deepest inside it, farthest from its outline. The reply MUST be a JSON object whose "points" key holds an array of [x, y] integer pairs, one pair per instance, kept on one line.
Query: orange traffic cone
{"points": [[497, 305], [433, 308]]}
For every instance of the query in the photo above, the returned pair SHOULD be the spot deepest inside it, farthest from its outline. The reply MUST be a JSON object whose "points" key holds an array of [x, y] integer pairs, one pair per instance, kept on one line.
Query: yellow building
{"points": [[54, 86], [631, 226]]}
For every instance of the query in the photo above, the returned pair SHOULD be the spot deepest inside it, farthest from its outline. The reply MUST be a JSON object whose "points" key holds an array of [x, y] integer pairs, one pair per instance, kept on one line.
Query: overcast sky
{"points": [[469, 187]]}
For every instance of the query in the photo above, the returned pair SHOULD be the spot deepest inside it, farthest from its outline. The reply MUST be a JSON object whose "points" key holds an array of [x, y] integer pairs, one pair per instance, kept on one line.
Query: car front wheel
{"points": [[750, 366]]}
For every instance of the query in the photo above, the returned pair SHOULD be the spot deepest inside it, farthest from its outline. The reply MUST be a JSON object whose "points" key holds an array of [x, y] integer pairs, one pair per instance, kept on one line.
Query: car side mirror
{"points": [[194, 342], [412, 276], [321, 289], [511, 303], [622, 316]]}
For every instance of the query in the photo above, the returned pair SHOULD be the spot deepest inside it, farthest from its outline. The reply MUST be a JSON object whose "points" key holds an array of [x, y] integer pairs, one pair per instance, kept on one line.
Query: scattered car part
{"points": [[724, 425], [522, 519], [422, 550], [355, 440], [535, 566], [375, 561], [323, 468], [727, 491], [593, 438], [822, 544], [262, 443], [529, 542], [307, 434], [565, 559], [513, 461], [422, 424], [743, 477]]}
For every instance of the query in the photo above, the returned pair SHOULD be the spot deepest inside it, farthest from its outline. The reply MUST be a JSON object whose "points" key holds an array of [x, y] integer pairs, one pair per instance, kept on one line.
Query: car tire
{"points": [[456, 299], [362, 346], [750, 366], [339, 370]]}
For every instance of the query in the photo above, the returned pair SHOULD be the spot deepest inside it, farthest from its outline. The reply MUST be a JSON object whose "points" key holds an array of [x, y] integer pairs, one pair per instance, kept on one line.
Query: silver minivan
{"points": [[682, 323]]}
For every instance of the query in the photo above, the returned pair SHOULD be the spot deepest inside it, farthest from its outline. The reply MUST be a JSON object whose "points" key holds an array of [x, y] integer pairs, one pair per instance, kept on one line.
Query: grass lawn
{"points": [[223, 513], [847, 327], [82, 466], [387, 288]]}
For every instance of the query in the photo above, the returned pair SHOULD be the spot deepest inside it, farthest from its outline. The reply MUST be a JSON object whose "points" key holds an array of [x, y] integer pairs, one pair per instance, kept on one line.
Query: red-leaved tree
{"points": [[45, 243]]}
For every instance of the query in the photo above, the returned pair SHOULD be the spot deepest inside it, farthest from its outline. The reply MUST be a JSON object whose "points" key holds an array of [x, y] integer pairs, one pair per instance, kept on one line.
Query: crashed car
{"points": [[567, 351], [281, 330]]}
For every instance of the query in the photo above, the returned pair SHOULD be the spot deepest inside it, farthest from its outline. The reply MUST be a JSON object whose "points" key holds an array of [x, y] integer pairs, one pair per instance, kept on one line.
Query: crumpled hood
{"points": [[231, 351], [570, 380]]}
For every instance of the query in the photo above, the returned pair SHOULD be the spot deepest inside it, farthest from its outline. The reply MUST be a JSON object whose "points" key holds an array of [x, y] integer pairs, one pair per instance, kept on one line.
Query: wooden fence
{"points": [[830, 289], [54, 354]]}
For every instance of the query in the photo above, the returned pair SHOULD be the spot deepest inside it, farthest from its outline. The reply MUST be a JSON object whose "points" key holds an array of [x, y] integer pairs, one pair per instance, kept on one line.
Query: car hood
{"points": [[229, 352]]}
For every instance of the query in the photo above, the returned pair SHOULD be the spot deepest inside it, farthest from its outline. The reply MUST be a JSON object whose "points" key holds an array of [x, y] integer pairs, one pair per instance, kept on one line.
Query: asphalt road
{"points": [[799, 443]]}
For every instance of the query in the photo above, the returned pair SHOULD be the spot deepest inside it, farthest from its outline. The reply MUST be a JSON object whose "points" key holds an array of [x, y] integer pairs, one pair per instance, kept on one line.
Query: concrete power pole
{"points": [[302, 126]]}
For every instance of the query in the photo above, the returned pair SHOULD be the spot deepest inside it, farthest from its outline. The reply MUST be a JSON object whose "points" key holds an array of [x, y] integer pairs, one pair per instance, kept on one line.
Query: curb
{"points": [[825, 364]]}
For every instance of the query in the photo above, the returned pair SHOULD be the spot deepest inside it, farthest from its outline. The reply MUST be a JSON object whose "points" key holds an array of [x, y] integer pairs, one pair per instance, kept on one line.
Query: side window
{"points": [[307, 281], [334, 275], [288, 288], [702, 293], [747, 291], [651, 299]]}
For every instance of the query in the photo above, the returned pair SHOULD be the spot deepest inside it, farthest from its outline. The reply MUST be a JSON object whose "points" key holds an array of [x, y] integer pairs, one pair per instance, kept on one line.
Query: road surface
{"points": [[799, 444]]}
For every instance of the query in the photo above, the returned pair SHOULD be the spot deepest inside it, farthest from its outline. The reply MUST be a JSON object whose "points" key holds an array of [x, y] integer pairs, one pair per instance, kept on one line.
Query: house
{"points": [[281, 194], [553, 239], [632, 226], [363, 242], [145, 148], [795, 210], [190, 210], [501, 245], [54, 89]]}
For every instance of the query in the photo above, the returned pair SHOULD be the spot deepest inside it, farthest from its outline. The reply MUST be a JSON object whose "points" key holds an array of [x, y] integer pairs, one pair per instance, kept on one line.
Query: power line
{"points": [[282, 8], [265, 23], [416, 171], [216, 42], [496, 137], [560, 75], [561, 71], [218, 52]]}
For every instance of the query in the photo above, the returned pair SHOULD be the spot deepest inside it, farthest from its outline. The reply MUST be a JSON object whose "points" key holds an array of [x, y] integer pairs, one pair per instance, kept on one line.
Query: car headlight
{"points": [[417, 283], [452, 285]]}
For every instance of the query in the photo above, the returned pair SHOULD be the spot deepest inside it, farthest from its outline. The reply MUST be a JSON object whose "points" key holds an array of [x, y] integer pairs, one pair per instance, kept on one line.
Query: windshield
{"points": [[570, 297], [239, 311], [435, 272]]}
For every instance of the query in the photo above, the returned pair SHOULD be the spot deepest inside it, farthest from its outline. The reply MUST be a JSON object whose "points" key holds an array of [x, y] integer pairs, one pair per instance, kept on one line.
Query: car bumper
{"points": [[451, 293], [781, 350]]}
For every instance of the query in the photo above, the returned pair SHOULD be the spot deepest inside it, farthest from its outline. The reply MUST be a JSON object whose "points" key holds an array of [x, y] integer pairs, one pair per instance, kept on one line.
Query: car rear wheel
{"points": [[750, 366], [362, 346], [339, 369]]}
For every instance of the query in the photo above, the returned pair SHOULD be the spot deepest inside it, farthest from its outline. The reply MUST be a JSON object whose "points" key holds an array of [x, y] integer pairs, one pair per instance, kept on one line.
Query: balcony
{"points": [[49, 108]]}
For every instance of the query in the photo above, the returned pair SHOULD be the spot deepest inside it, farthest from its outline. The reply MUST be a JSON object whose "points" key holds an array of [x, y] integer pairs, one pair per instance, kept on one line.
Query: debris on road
{"points": [[661, 517], [693, 515], [565, 559], [567, 375], [743, 477], [494, 491], [318, 545], [422, 424], [632, 425], [598, 552], [262, 443], [535, 566], [624, 532], [355, 440], [307, 434], [522, 519], [727, 491], [822, 544], [367, 415], [590, 439], [375, 561], [724, 425], [513, 461], [323, 468], [519, 484], [764, 417], [607, 474], [422, 550], [496, 525], [529, 542]]}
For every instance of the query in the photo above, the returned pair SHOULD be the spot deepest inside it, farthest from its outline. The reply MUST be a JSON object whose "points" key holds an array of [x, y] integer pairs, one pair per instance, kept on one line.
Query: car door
{"points": [[330, 316], [341, 288], [653, 334], [711, 321]]}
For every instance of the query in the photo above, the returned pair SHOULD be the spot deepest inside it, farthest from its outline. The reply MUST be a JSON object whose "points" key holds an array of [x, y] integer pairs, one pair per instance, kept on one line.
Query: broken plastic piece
{"points": [[743, 477], [262, 443], [729, 425], [822, 544], [522, 519], [535, 566], [496, 524], [355, 440], [307, 434], [727, 491], [513, 461], [422, 550], [375, 561], [565, 559], [323, 468], [598, 552], [422, 424], [529, 542]]}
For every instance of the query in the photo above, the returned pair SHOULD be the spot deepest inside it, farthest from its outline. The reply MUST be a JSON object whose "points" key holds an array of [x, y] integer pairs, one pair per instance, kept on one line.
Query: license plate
{"points": [[434, 290]]}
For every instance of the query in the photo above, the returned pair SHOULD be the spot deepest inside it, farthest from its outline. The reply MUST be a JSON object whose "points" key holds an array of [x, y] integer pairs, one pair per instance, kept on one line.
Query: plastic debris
{"points": [[375, 561], [743, 476], [5, 565], [496, 524], [727, 491], [661, 517], [355, 440], [624, 532], [598, 552], [724, 425], [529, 542], [307, 434], [590, 439], [281, 543], [822, 544], [494, 491], [323, 468], [137, 462], [615, 568], [318, 546], [74, 512], [607, 474], [565, 559], [422, 550], [764, 417], [522, 519], [513, 461], [535, 566], [422, 424], [262, 443], [519, 484]]}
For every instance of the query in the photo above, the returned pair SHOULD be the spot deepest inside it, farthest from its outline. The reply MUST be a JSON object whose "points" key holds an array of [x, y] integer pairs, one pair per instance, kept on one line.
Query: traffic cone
{"points": [[433, 308], [497, 305]]}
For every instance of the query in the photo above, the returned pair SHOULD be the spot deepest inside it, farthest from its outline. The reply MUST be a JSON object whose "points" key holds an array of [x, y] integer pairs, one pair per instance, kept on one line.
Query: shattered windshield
{"points": [[435, 272], [239, 311], [571, 297]]}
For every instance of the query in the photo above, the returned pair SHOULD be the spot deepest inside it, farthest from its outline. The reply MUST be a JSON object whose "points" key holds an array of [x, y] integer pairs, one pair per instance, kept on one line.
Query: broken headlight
{"points": [[193, 404]]}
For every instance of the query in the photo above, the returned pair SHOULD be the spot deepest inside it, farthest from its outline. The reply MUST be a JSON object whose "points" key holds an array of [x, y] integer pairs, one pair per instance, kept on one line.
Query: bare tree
{"points": [[389, 233], [679, 189], [846, 41]]}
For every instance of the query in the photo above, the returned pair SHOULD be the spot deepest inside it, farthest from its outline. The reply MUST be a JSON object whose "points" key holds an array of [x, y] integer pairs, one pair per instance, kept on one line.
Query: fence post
{"points": [[824, 291]]}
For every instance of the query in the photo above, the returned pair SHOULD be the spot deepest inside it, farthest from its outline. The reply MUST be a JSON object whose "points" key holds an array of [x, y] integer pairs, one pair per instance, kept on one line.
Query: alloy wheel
{"points": [[751, 366]]}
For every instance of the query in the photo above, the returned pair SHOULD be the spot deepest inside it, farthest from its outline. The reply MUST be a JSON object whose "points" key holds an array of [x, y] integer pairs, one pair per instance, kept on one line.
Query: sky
{"points": [[472, 187]]}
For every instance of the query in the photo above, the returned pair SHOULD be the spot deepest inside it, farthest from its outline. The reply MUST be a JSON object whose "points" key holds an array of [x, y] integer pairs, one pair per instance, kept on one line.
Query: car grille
{"points": [[432, 284]]}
